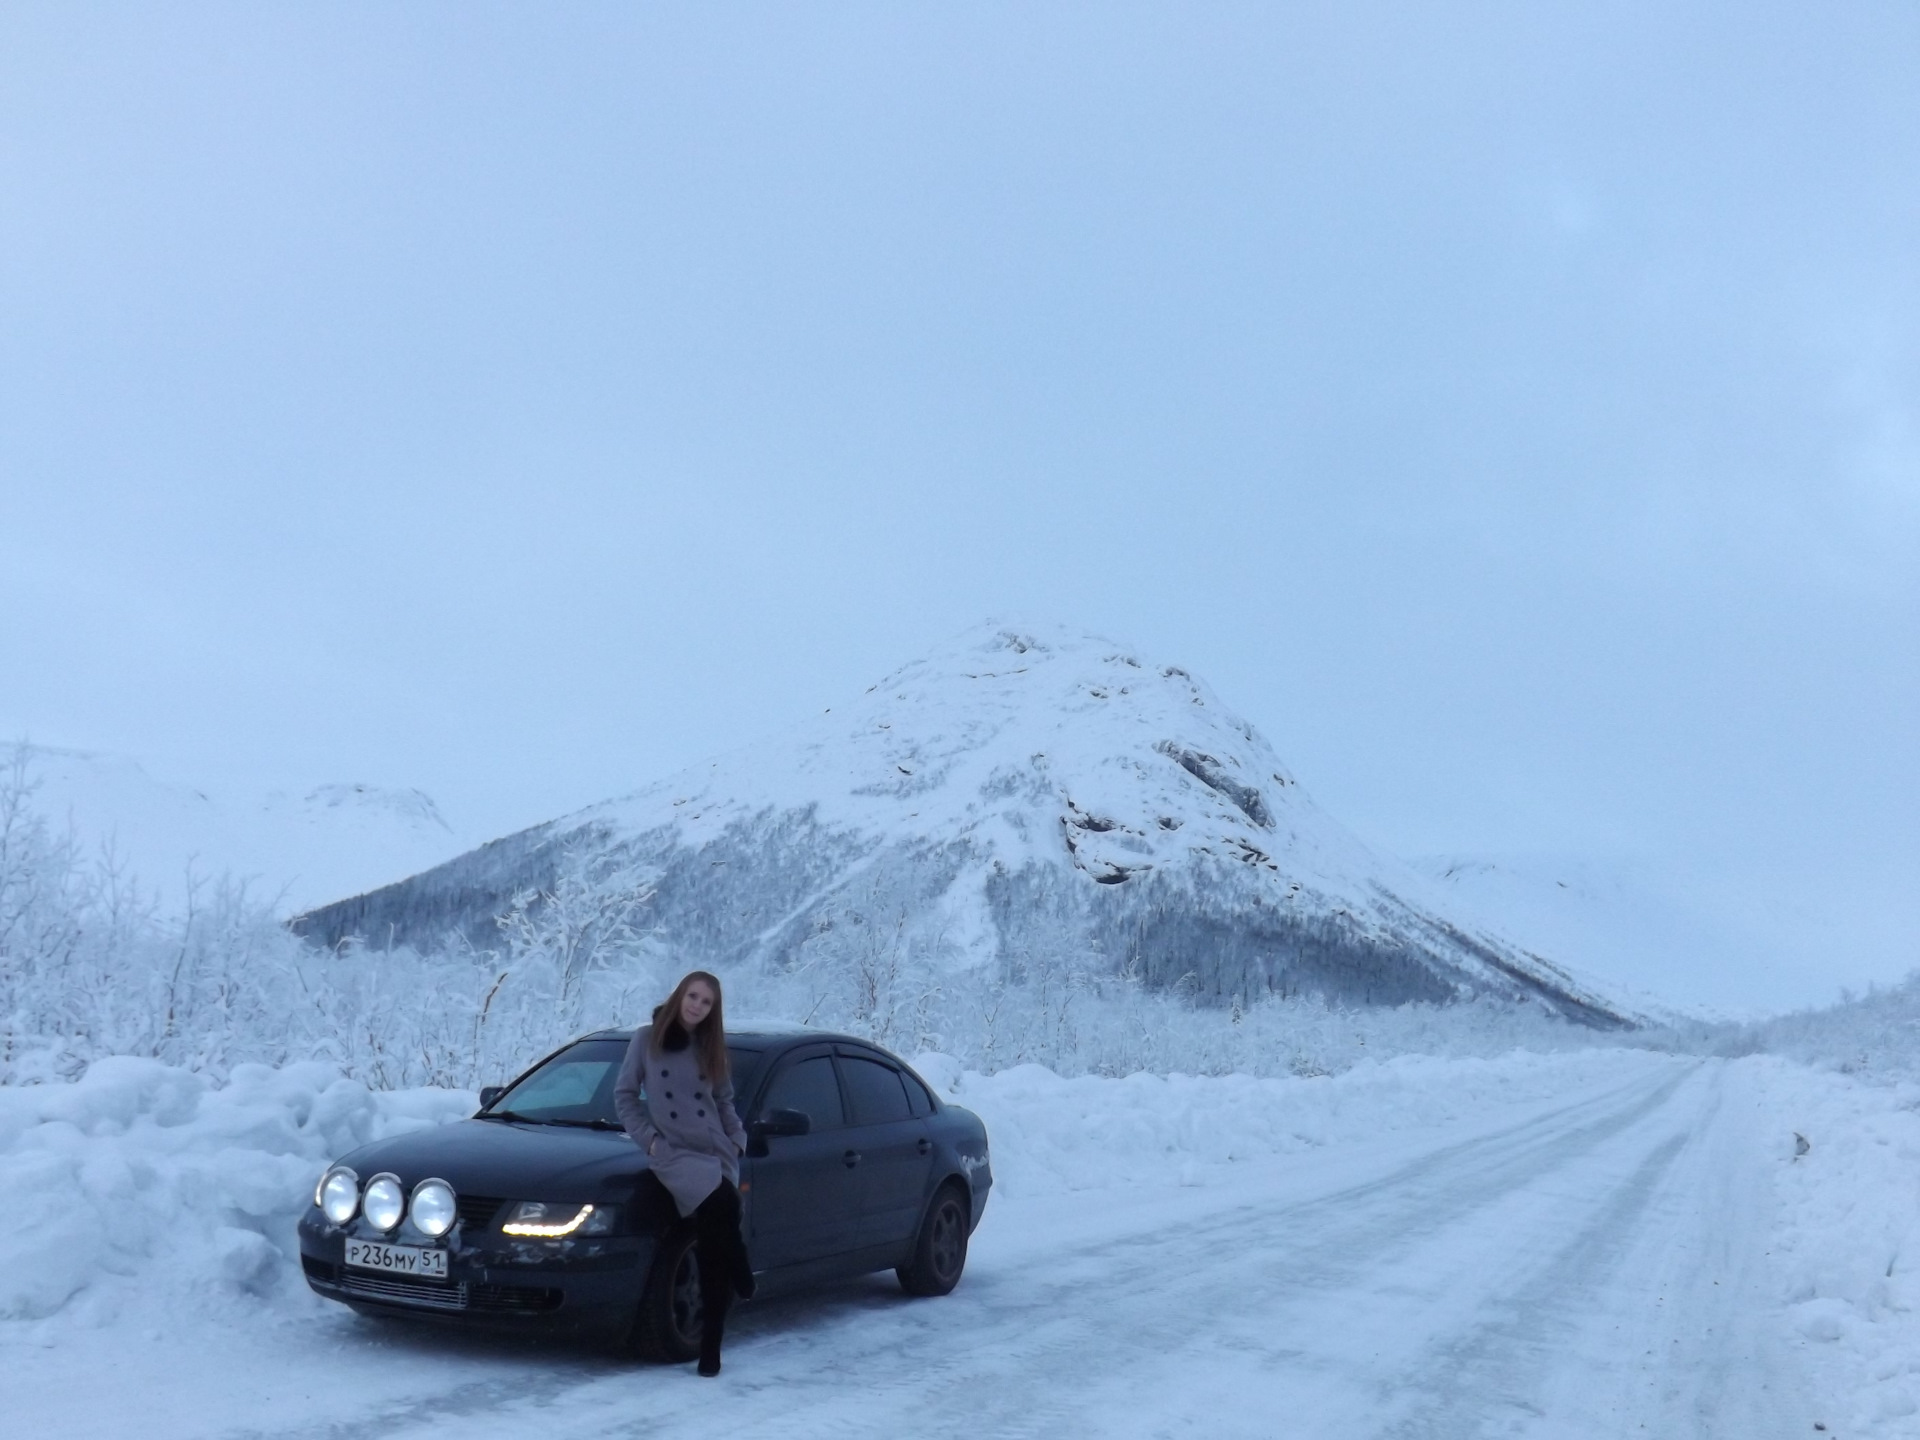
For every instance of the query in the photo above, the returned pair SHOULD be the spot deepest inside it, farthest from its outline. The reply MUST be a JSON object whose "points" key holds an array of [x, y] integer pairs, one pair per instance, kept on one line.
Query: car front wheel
{"points": [[668, 1325], [940, 1251]]}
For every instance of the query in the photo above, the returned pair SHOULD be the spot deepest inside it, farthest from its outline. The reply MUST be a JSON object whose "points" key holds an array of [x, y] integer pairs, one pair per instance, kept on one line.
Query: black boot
{"points": [[743, 1285], [713, 1323]]}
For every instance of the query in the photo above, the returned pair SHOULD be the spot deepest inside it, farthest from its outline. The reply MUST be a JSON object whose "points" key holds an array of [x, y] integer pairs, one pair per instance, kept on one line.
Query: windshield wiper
{"points": [[516, 1116]]}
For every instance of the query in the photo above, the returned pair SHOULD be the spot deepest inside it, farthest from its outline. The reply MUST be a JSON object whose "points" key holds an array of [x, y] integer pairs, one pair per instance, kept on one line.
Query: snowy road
{"points": [[1587, 1267]]}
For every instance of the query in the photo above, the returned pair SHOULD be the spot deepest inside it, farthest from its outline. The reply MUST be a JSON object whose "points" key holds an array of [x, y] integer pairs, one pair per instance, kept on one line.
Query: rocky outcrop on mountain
{"points": [[1018, 798]]}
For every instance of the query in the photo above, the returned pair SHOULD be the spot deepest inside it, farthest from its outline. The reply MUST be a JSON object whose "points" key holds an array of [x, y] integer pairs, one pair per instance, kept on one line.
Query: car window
{"points": [[875, 1091], [576, 1085], [744, 1066], [810, 1088], [918, 1096]]}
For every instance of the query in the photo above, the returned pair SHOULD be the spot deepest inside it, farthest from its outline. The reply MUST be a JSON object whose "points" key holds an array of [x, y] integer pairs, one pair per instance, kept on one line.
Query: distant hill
{"points": [[1020, 797], [296, 850]]}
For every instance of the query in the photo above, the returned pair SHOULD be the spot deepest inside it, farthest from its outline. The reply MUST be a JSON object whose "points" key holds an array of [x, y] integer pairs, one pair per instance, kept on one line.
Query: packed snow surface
{"points": [[1603, 1243]]}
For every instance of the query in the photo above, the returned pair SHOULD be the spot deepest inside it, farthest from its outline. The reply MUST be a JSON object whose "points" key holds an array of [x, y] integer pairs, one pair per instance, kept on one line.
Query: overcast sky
{"points": [[1513, 409]]}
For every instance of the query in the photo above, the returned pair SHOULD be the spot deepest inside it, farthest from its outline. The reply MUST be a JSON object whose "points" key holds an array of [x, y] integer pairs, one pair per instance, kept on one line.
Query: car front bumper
{"points": [[493, 1282]]}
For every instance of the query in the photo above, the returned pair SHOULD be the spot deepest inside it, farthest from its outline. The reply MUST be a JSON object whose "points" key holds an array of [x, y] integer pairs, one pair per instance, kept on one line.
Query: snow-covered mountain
{"points": [[296, 850], [1664, 942], [1037, 799]]}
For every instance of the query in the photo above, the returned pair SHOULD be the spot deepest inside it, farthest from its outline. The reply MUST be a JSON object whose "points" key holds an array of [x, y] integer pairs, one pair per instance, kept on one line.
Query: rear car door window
{"points": [[919, 1097], [875, 1090], [809, 1087]]}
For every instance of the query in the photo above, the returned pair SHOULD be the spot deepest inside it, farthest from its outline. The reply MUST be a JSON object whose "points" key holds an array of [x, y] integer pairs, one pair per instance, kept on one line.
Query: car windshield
{"points": [[575, 1087]]}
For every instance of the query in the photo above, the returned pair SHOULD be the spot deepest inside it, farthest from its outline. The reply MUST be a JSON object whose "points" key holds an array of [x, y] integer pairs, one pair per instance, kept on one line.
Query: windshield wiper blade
{"points": [[518, 1118]]}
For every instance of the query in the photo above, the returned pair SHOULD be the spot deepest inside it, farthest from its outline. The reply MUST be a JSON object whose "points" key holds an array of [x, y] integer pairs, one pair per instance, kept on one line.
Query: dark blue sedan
{"points": [[537, 1212]]}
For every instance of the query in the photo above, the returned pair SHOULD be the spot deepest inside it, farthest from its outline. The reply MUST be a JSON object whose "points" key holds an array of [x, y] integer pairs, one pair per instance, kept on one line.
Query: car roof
{"points": [[754, 1034]]}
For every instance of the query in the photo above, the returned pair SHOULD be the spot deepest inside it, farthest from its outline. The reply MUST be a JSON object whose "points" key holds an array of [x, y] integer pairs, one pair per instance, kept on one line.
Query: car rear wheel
{"points": [[668, 1325], [940, 1250]]}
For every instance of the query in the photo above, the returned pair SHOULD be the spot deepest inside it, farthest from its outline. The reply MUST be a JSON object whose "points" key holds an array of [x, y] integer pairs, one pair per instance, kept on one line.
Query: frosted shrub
{"points": [[1876, 1035]]}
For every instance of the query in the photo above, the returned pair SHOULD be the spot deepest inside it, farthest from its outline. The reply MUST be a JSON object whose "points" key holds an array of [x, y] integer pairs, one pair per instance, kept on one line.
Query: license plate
{"points": [[400, 1259]]}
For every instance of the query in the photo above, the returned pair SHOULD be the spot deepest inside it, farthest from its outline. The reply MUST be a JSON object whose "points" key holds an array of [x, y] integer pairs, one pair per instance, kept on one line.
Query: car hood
{"points": [[508, 1160]]}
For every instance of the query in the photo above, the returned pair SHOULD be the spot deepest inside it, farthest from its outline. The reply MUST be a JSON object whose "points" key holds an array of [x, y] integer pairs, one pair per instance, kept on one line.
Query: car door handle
{"points": [[925, 1147], [852, 1157]]}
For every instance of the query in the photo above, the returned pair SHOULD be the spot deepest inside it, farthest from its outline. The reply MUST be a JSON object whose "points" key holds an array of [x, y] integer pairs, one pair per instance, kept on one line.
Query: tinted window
{"points": [[810, 1088], [918, 1095], [875, 1091], [745, 1068]]}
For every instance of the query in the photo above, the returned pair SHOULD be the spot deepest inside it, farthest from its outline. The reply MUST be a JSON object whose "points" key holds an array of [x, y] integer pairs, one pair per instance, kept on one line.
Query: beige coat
{"points": [[687, 1125]]}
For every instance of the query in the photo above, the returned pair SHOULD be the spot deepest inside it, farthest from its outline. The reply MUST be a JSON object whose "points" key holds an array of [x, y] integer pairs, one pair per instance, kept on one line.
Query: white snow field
{"points": [[1600, 1243]]}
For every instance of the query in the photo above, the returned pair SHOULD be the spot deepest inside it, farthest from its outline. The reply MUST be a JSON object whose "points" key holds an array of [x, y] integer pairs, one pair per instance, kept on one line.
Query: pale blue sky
{"points": [[1515, 412]]}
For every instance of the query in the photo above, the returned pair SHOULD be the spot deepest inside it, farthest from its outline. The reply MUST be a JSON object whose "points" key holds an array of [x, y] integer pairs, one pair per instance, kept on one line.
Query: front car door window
{"points": [[809, 1087], [805, 1197]]}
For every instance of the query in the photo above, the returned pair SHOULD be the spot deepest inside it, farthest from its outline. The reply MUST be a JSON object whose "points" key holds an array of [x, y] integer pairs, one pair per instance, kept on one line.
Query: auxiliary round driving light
{"points": [[433, 1208], [339, 1194], [385, 1202]]}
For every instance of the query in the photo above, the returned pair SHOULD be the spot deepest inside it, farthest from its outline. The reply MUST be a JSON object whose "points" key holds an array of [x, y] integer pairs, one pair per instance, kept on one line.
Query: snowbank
{"points": [[140, 1177], [1848, 1236], [1052, 1134]]}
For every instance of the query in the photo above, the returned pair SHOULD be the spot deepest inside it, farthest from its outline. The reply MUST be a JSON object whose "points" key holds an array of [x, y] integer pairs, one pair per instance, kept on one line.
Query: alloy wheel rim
{"points": [[685, 1298], [946, 1239]]}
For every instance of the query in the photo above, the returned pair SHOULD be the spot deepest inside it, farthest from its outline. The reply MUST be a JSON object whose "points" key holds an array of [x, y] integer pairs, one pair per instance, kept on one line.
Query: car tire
{"points": [[668, 1325], [940, 1249]]}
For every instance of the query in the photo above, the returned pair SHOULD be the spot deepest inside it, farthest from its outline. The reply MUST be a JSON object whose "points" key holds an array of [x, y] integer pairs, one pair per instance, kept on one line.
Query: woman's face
{"points": [[696, 1004]]}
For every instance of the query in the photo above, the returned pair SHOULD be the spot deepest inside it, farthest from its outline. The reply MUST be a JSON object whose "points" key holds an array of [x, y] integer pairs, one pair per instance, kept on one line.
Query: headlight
{"points": [[544, 1220], [433, 1208], [385, 1202], [338, 1194]]}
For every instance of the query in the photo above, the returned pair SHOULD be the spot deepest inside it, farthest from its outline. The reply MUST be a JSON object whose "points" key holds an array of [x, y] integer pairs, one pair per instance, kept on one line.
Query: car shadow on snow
{"points": [[796, 1316]]}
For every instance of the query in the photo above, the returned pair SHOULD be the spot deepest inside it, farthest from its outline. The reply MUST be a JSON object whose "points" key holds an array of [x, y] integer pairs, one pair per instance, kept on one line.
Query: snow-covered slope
{"points": [[1652, 938], [1041, 799], [297, 850]]}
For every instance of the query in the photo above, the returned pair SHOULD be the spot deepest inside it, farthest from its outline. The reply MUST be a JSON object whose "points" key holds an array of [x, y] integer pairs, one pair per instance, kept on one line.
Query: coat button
{"points": [[701, 1113], [669, 1094], [663, 1074], [673, 1114]]}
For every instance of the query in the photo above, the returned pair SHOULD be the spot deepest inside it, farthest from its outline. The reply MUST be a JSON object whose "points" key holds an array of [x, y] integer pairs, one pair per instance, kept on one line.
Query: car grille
{"points": [[477, 1211], [404, 1292], [460, 1295]]}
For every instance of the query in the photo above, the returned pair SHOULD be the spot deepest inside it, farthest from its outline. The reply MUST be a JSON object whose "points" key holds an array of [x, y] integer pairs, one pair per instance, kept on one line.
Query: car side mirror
{"points": [[490, 1093], [776, 1122]]}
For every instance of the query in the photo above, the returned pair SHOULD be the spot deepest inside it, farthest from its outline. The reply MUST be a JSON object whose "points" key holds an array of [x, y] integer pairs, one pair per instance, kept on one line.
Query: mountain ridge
{"points": [[1021, 796]]}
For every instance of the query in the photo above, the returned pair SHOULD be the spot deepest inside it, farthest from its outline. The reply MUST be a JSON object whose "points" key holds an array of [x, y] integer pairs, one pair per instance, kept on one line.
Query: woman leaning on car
{"points": [[675, 1098]]}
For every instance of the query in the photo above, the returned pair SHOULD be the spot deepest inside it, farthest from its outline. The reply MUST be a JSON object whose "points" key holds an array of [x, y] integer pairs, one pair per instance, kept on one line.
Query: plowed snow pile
{"points": [[1849, 1236], [141, 1177]]}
